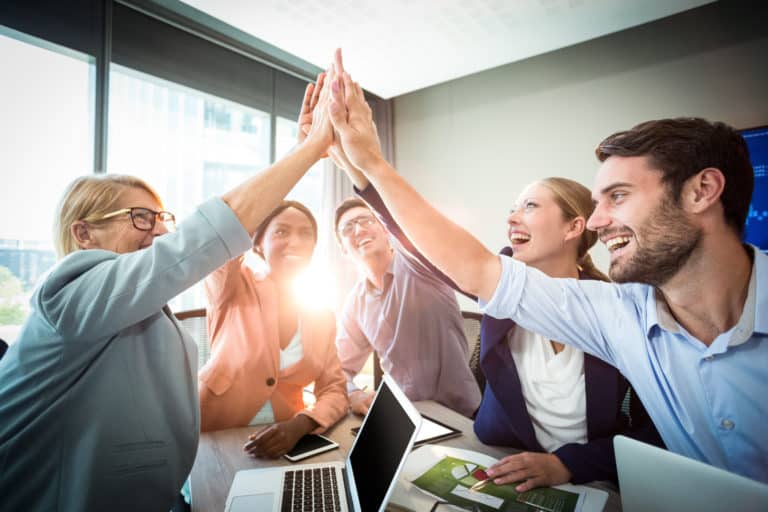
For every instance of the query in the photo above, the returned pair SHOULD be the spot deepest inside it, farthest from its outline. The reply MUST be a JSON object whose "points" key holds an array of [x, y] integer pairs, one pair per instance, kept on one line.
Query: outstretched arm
{"points": [[254, 199], [452, 249]]}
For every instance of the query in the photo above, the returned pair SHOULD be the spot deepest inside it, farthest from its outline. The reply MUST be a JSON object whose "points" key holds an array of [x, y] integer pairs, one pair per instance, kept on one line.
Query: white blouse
{"points": [[290, 355], [553, 387]]}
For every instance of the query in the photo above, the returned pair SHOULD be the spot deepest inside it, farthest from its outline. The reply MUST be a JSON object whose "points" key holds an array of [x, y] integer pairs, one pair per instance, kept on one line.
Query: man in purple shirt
{"points": [[403, 312]]}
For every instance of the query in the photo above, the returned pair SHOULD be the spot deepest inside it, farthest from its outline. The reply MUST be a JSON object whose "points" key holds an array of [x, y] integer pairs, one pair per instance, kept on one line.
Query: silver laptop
{"points": [[654, 479], [362, 483]]}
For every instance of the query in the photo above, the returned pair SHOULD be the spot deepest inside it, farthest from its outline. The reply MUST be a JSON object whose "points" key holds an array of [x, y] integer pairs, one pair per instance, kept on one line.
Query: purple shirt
{"points": [[416, 328]]}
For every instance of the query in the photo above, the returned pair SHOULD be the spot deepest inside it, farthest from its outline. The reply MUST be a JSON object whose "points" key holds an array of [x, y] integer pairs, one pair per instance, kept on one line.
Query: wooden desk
{"points": [[220, 456]]}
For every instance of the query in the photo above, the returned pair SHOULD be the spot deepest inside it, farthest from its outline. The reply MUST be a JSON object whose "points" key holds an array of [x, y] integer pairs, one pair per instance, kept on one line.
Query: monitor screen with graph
{"points": [[756, 231]]}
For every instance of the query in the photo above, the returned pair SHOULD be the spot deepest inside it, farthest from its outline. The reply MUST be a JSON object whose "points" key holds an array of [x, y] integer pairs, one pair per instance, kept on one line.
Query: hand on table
{"points": [[530, 468], [276, 440], [360, 401]]}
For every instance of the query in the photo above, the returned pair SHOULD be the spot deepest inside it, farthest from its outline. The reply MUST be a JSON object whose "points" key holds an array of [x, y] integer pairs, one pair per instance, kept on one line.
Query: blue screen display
{"points": [[756, 231]]}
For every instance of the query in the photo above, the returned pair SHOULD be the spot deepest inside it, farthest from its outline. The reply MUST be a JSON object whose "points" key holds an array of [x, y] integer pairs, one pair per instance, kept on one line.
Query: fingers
{"points": [[531, 483], [338, 64], [257, 441], [306, 103], [317, 90], [337, 109]]}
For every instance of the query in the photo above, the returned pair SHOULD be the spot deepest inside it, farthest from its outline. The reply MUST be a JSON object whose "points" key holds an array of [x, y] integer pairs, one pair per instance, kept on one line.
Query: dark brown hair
{"points": [[682, 147], [343, 208], [258, 236]]}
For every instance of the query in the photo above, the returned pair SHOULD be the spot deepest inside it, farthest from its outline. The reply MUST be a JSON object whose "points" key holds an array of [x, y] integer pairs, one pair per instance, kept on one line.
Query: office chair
{"points": [[193, 320], [472, 332]]}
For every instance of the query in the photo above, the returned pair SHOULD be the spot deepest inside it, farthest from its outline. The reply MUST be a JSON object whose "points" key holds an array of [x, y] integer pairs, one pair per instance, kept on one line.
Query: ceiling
{"points": [[393, 47]]}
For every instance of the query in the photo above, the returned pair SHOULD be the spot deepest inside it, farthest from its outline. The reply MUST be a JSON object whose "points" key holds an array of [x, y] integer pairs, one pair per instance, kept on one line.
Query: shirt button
{"points": [[709, 358], [727, 424], [270, 381]]}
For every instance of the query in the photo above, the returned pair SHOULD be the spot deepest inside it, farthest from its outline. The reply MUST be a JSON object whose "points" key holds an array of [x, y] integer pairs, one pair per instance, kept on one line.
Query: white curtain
{"points": [[336, 188]]}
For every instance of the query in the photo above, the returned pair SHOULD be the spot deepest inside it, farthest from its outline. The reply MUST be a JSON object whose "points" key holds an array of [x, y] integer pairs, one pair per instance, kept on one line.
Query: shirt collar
{"points": [[658, 313], [388, 276]]}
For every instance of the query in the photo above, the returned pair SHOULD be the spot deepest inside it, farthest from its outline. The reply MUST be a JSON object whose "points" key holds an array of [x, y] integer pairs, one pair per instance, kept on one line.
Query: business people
{"points": [[671, 200], [562, 405], [266, 348], [98, 395], [407, 315]]}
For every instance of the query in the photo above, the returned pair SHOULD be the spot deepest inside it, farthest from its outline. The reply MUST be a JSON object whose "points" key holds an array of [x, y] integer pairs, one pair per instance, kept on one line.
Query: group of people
{"points": [[102, 404]]}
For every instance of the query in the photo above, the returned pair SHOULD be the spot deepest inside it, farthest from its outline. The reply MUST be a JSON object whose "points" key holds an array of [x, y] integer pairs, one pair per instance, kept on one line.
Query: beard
{"points": [[668, 240]]}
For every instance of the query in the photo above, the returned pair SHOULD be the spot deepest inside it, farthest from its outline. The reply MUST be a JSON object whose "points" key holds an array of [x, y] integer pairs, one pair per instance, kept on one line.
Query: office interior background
{"points": [[169, 93]]}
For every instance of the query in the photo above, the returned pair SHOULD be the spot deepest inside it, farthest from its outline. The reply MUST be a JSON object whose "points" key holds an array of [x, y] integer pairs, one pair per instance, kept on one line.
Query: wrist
{"points": [[303, 424], [377, 167], [314, 146]]}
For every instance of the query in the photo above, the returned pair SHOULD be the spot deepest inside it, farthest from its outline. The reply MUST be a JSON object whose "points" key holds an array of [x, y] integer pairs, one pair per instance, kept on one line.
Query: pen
{"points": [[480, 484], [482, 480]]}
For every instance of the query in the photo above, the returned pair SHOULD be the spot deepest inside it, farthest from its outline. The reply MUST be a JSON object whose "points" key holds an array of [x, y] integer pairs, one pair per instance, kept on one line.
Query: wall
{"points": [[470, 145]]}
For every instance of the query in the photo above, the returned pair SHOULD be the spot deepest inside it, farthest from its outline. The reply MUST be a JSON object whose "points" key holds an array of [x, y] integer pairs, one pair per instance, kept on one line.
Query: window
{"points": [[47, 138], [188, 145]]}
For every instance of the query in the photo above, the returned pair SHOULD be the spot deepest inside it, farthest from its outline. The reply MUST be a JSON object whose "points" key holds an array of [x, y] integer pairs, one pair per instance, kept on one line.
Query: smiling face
{"points": [[288, 243], [118, 234], [648, 235], [537, 228], [362, 236]]}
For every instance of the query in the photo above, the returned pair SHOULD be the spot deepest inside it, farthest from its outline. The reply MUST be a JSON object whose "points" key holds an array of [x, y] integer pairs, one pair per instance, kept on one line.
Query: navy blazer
{"points": [[503, 418]]}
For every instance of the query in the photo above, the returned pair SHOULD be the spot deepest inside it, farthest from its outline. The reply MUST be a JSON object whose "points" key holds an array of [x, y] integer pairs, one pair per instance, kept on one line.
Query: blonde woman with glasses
{"points": [[98, 396]]}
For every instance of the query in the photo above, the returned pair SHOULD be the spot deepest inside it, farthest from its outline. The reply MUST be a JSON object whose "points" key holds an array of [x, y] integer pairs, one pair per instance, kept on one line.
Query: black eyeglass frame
{"points": [[164, 216]]}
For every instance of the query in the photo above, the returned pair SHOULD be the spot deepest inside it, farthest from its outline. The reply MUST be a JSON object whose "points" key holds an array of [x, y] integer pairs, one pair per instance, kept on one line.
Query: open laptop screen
{"points": [[380, 448]]}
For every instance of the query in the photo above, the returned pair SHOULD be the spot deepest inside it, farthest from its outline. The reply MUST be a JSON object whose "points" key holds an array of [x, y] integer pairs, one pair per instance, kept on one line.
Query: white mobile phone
{"points": [[309, 445]]}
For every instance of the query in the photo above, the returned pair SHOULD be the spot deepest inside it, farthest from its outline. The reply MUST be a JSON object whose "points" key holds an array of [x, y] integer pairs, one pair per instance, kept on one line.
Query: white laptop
{"points": [[362, 483], [654, 479]]}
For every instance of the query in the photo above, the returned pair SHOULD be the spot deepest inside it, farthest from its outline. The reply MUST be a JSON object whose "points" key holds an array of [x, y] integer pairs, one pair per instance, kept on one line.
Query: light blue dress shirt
{"points": [[708, 403], [98, 395]]}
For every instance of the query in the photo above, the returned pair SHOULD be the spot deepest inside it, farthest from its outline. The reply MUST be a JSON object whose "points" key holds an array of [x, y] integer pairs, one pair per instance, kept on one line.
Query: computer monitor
{"points": [[756, 232]]}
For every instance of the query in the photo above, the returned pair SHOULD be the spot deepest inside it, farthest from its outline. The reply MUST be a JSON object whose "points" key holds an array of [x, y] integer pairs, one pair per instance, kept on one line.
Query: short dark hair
{"points": [[682, 147], [258, 236], [344, 207]]}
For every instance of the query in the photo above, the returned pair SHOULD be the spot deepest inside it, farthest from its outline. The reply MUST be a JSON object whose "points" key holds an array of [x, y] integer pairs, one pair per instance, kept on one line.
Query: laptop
{"points": [[654, 479], [362, 483]]}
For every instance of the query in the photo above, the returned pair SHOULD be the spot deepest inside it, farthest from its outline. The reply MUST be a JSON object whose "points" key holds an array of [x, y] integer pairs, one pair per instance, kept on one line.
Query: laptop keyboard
{"points": [[310, 490]]}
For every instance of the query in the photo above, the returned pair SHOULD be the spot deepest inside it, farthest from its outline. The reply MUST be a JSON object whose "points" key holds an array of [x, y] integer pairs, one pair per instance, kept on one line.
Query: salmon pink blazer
{"points": [[244, 372]]}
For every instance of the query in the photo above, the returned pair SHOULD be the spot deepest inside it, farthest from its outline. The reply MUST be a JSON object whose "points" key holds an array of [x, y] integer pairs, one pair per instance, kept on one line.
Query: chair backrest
{"points": [[472, 322], [193, 320]]}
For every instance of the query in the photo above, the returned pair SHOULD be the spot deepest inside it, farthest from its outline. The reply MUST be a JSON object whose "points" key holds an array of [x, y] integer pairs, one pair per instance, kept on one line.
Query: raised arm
{"points": [[254, 199], [475, 269]]}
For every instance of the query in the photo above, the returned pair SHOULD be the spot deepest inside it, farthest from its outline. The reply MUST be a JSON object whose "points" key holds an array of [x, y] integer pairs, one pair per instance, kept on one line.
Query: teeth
{"points": [[292, 257], [613, 242], [519, 236]]}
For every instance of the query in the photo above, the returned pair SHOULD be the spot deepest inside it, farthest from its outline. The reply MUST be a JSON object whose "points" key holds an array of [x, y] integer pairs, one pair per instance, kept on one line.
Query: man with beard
{"points": [[671, 198]]}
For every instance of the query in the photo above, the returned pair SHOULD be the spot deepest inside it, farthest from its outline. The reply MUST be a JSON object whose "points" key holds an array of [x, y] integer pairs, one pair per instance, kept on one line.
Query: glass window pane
{"points": [[309, 189], [188, 145], [46, 140]]}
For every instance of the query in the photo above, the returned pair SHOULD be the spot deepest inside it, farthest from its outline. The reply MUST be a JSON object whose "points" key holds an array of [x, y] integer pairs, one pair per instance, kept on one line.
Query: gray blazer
{"points": [[98, 396]]}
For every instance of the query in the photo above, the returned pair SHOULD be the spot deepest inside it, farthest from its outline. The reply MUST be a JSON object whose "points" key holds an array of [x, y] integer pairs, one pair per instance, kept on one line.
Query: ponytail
{"points": [[588, 268]]}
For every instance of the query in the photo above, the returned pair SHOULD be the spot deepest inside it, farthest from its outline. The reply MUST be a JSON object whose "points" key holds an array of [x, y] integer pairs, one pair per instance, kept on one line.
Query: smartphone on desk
{"points": [[310, 445]]}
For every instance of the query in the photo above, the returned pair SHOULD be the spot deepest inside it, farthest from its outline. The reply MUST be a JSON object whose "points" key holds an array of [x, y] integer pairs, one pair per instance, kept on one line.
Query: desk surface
{"points": [[220, 456]]}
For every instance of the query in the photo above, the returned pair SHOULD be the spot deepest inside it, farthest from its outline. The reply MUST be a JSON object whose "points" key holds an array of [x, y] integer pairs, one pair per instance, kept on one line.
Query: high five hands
{"points": [[355, 145]]}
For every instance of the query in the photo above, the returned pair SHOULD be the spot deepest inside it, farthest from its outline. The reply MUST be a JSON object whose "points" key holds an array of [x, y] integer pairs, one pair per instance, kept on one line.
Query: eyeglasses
{"points": [[364, 221], [144, 219]]}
